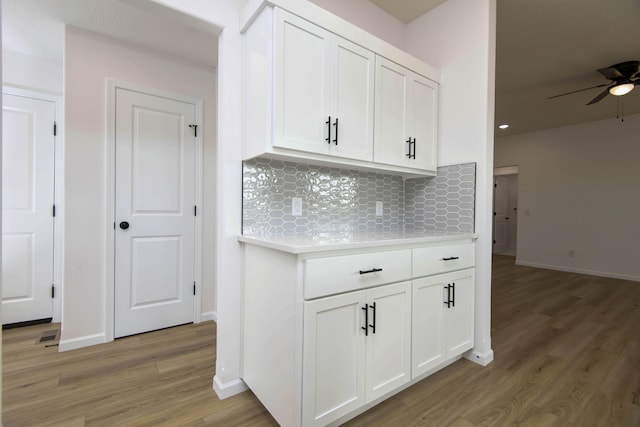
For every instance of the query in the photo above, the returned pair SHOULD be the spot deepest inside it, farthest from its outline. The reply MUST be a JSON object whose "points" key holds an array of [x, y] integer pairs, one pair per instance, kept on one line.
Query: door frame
{"points": [[501, 171], [58, 188], [110, 232]]}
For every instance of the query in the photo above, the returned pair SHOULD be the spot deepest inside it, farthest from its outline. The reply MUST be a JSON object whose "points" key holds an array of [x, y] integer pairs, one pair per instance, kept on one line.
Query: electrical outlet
{"points": [[296, 206], [379, 208]]}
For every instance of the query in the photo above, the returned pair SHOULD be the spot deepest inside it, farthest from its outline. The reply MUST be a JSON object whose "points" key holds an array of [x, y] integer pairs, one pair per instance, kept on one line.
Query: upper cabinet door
{"points": [[302, 78], [353, 70], [390, 113], [422, 121], [405, 117]]}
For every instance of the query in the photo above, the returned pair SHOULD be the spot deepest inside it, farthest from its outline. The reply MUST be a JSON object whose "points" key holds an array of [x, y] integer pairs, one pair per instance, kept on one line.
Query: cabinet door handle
{"points": [[336, 125], [412, 148], [373, 270], [448, 301], [453, 292], [328, 123], [366, 320], [373, 326], [451, 258]]}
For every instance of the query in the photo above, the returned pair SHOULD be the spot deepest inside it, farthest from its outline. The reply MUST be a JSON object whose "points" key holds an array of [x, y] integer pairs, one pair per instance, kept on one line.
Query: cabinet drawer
{"points": [[440, 259], [333, 275]]}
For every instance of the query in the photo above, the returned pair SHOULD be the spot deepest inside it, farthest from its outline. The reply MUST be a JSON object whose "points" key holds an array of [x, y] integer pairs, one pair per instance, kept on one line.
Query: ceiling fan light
{"points": [[621, 89]]}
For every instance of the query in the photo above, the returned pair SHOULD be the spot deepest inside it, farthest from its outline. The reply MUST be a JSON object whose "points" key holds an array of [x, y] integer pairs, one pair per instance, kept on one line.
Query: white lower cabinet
{"points": [[357, 347], [442, 318], [328, 334]]}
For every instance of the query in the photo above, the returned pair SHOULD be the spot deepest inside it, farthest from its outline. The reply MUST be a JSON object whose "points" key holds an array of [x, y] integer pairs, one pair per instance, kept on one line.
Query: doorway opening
{"points": [[505, 211]]}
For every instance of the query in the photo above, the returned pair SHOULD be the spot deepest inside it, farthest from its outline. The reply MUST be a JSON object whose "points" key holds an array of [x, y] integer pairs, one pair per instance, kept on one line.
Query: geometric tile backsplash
{"points": [[444, 202], [344, 200], [333, 199]]}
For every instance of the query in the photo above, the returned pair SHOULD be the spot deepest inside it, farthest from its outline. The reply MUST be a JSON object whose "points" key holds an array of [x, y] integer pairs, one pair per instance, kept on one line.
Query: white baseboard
{"points": [[80, 342], [481, 358], [578, 270], [209, 315], [228, 389]]}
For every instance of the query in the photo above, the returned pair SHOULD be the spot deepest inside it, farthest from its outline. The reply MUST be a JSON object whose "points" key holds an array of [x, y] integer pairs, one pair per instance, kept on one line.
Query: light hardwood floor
{"points": [[567, 353]]}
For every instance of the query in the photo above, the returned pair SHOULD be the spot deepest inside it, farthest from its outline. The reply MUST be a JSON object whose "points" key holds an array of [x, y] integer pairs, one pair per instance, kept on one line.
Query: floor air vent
{"points": [[47, 336]]}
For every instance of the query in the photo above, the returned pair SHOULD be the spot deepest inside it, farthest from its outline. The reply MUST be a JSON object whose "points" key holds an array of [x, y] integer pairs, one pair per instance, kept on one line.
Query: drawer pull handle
{"points": [[451, 258], [373, 270]]}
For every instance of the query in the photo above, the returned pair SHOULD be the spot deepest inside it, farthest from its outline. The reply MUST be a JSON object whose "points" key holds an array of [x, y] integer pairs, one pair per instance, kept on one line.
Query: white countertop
{"points": [[297, 244]]}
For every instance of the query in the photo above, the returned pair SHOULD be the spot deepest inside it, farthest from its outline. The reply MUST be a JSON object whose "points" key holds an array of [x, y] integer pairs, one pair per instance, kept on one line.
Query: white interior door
{"points": [[28, 146], [500, 214], [154, 211]]}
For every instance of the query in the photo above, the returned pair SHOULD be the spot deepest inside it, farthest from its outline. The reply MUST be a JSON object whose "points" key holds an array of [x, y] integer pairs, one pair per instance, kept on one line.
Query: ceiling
{"points": [[549, 47], [544, 47], [407, 10], [36, 27]]}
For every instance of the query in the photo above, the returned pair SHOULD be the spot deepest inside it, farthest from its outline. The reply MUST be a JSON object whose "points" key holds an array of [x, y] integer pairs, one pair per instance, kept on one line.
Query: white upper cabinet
{"points": [[405, 117], [310, 94], [301, 84], [323, 97]]}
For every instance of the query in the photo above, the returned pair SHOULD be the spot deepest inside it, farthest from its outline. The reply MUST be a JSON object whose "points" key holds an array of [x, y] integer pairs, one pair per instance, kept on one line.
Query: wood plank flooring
{"points": [[567, 353]]}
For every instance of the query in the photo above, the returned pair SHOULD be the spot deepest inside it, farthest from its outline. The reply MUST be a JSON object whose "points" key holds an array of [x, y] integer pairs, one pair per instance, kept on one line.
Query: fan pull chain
{"points": [[620, 110]]}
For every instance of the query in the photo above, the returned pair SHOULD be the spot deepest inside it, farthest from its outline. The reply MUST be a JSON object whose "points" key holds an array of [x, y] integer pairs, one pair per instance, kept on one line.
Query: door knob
{"points": [[124, 225]]}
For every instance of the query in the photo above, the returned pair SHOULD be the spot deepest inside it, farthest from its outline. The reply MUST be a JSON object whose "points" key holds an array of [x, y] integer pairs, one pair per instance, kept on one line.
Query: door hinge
{"points": [[53, 291], [53, 211], [195, 130], [194, 288], [55, 129], [195, 211]]}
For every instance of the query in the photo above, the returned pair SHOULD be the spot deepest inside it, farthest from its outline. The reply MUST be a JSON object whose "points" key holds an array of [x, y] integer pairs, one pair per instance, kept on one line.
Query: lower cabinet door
{"points": [[428, 348], [334, 358], [442, 318], [460, 313], [388, 342]]}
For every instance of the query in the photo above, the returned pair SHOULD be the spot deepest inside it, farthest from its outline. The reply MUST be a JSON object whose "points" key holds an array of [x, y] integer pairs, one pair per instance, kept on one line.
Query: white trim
{"points": [[506, 170], [229, 389], [80, 342], [579, 270], [58, 178], [109, 290], [481, 358], [209, 315]]}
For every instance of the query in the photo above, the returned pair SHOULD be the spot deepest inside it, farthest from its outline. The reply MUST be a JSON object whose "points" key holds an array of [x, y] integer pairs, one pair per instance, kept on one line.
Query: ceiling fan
{"points": [[624, 77]]}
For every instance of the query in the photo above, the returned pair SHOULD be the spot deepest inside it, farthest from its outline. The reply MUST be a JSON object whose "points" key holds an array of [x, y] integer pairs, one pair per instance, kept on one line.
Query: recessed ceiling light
{"points": [[503, 126]]}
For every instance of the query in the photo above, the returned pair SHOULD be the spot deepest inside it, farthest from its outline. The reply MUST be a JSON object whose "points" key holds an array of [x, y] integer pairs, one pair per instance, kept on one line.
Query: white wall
{"points": [[90, 60], [458, 37], [1, 76], [30, 72], [579, 189], [225, 14]]}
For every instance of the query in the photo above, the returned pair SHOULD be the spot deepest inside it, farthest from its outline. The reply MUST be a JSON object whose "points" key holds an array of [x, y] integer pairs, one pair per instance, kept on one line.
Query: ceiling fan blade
{"points": [[599, 97], [611, 73], [579, 90]]}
